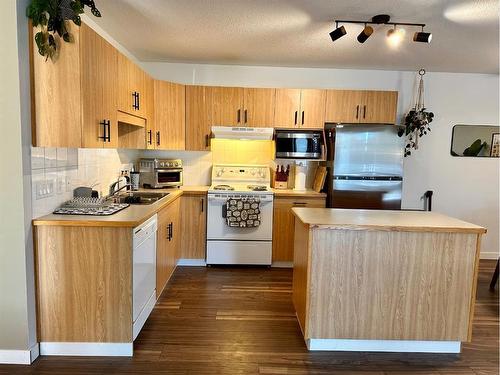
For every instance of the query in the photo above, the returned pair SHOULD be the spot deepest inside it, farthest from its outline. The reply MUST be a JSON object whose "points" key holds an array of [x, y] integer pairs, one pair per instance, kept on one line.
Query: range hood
{"points": [[229, 132]]}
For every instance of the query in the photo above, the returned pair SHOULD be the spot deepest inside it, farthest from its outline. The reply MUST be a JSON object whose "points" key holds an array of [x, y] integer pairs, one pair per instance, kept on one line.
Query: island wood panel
{"points": [[312, 106], [283, 222], [343, 106], [302, 274], [379, 107], [56, 95], [84, 284], [193, 226], [286, 111], [259, 107], [199, 101], [99, 73], [390, 285], [170, 115], [228, 106]]}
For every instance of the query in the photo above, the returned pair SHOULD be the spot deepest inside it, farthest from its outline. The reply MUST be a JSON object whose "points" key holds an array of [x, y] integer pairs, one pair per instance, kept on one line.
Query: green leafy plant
{"points": [[51, 16], [417, 120]]}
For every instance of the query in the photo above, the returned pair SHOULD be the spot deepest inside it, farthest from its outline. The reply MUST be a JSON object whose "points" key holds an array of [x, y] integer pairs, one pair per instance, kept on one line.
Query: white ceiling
{"points": [[295, 33]]}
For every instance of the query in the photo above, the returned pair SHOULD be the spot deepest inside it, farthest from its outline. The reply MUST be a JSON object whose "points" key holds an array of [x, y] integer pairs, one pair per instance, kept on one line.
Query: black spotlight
{"points": [[422, 37], [365, 34], [338, 33]]}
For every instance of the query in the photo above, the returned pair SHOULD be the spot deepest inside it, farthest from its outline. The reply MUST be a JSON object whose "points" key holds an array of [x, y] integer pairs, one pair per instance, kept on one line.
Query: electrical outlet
{"points": [[50, 187], [44, 188]]}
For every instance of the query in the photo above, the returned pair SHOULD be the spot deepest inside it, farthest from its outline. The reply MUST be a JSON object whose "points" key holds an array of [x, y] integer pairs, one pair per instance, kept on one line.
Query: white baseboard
{"points": [[282, 264], [192, 262], [402, 346], [95, 349], [489, 255], [19, 357]]}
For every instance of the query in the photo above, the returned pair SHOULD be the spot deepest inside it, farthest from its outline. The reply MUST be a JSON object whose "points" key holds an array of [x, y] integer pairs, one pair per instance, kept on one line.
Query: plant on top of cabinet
{"points": [[51, 16]]}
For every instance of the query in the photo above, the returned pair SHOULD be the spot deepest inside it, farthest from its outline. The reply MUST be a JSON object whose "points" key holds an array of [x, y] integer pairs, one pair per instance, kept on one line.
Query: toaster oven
{"points": [[160, 173]]}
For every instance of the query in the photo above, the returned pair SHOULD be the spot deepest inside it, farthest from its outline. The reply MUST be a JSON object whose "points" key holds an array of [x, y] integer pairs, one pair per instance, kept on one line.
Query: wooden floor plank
{"points": [[238, 320]]}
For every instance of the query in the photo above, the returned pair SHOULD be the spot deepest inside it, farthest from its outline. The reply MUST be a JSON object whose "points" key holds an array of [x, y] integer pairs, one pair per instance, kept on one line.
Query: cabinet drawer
{"points": [[290, 202]]}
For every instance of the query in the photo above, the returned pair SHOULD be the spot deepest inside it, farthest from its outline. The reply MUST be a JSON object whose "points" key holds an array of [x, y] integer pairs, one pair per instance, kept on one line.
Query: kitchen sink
{"points": [[140, 197]]}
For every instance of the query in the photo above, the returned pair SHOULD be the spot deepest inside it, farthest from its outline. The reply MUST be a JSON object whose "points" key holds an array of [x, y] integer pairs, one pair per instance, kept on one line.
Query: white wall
{"points": [[17, 303], [464, 188]]}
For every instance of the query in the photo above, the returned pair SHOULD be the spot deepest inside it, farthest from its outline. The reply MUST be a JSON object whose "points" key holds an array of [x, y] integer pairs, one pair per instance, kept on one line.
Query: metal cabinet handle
{"points": [[170, 231], [109, 130], [202, 204], [150, 134], [207, 137], [158, 140], [246, 116], [104, 136], [296, 114], [357, 111], [238, 116], [299, 203], [302, 117], [364, 111], [135, 104]]}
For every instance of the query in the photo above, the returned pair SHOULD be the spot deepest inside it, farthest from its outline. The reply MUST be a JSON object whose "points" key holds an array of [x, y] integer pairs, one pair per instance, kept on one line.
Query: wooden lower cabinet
{"points": [[283, 224], [193, 226], [167, 244]]}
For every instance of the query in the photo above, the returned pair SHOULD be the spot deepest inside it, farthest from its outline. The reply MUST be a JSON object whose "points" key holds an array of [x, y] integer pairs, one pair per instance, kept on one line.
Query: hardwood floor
{"points": [[241, 321]]}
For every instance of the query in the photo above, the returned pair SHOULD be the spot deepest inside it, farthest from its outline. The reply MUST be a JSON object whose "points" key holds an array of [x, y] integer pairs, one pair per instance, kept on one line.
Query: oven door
{"points": [[305, 145], [168, 177], [217, 229]]}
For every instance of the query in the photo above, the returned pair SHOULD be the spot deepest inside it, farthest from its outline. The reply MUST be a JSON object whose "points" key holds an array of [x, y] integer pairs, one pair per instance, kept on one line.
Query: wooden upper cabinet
{"points": [[312, 107], [227, 106], [379, 107], [132, 96], [259, 107], [56, 95], [361, 106], [343, 106], [150, 130], [98, 62], [287, 108], [199, 103], [170, 119]]}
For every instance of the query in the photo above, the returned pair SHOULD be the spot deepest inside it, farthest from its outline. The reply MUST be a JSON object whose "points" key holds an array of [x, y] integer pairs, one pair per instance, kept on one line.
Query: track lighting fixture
{"points": [[365, 34], [338, 32], [394, 35]]}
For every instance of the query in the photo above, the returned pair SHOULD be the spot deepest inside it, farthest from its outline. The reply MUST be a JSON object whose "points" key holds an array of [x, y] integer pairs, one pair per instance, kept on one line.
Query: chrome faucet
{"points": [[112, 187]]}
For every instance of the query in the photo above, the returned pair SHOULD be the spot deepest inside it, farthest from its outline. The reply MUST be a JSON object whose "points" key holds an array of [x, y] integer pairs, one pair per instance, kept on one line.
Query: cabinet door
{"points": [[167, 244], [56, 95], [98, 60], [312, 107], [286, 111], [284, 224], [344, 106], [228, 106], [199, 101], [170, 119], [131, 81], [259, 107], [379, 107], [193, 226], [150, 130]]}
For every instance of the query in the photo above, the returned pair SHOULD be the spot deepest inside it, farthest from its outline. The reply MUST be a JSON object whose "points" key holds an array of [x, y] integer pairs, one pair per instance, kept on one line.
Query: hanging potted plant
{"points": [[417, 120], [51, 17]]}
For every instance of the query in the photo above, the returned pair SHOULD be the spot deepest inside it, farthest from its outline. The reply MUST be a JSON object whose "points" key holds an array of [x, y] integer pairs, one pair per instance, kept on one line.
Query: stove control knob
{"points": [[162, 164]]}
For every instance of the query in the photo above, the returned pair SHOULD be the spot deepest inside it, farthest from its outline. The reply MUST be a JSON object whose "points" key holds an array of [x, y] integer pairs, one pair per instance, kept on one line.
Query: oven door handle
{"points": [[169, 170]]}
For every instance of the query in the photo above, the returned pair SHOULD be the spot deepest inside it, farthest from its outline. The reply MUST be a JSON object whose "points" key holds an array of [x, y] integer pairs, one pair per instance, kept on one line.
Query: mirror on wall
{"points": [[475, 141]]}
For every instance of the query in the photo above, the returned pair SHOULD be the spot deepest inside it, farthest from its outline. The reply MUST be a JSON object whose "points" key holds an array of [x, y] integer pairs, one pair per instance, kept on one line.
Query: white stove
{"points": [[228, 244]]}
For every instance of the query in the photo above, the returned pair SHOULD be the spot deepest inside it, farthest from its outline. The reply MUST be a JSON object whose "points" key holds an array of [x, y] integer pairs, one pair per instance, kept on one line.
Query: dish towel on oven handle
{"points": [[242, 212]]}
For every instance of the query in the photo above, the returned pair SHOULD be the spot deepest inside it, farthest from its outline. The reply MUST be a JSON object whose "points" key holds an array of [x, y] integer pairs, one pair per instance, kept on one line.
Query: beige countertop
{"points": [[309, 193], [413, 221], [129, 217]]}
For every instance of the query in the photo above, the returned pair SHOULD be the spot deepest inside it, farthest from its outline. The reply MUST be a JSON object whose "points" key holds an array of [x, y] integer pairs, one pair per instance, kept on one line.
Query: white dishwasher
{"points": [[144, 272]]}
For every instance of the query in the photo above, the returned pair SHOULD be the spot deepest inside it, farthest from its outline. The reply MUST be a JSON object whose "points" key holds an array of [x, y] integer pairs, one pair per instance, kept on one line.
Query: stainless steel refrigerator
{"points": [[364, 166]]}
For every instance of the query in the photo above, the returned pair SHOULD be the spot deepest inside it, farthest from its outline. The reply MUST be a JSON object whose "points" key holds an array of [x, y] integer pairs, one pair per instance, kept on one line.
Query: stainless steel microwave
{"points": [[299, 144], [160, 173]]}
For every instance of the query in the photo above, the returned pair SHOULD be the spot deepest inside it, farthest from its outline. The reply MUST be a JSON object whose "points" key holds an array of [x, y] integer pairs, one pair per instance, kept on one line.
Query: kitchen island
{"points": [[400, 281]]}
